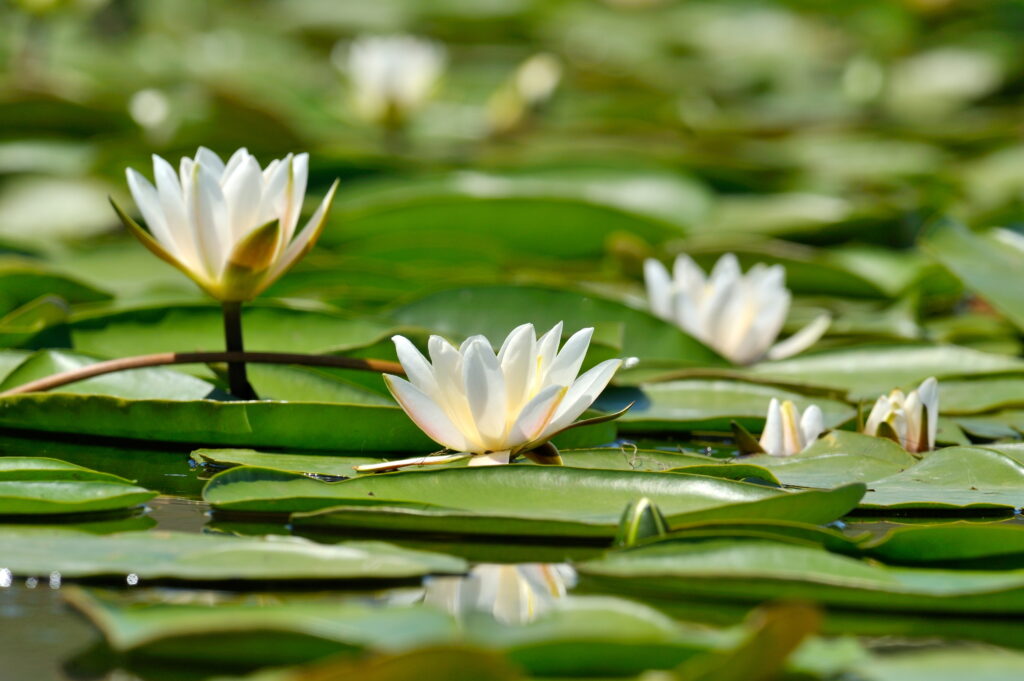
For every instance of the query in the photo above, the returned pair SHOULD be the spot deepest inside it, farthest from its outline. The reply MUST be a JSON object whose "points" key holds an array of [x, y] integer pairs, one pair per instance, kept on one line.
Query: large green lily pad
{"points": [[188, 556], [36, 486]]}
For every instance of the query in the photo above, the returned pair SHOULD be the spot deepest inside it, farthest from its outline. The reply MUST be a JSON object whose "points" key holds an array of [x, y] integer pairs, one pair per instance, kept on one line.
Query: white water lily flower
{"points": [[786, 432], [513, 594], [737, 315], [231, 227], [393, 76], [911, 420], [495, 406]]}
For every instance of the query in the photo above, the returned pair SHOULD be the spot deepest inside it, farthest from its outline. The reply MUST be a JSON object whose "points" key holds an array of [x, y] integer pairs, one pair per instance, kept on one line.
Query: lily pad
{"points": [[954, 542], [186, 556], [954, 477], [758, 570], [33, 486], [838, 458], [869, 371], [315, 464], [707, 405]]}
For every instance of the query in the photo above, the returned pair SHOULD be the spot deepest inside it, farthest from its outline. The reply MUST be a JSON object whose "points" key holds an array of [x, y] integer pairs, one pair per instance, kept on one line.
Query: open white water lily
{"points": [[738, 315], [494, 406], [231, 227], [513, 594], [393, 76], [787, 432], [911, 420]]}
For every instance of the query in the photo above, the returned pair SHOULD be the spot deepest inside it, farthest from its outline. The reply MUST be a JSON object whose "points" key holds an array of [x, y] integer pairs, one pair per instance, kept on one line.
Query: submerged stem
{"points": [[166, 358], [238, 381]]}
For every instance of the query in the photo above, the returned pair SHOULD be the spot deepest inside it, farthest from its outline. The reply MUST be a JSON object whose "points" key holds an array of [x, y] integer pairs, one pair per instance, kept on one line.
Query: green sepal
{"points": [[249, 262], [641, 520], [745, 442], [545, 455]]}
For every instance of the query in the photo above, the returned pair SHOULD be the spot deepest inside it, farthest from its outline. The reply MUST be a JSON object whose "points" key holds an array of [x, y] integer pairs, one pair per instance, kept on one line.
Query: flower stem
{"points": [[238, 382]]}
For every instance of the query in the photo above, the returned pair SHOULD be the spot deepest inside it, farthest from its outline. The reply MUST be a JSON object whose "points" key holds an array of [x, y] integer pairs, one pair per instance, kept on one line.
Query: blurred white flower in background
{"points": [[228, 226], [392, 76], [911, 420], [786, 432], [530, 87], [737, 315], [513, 594]]}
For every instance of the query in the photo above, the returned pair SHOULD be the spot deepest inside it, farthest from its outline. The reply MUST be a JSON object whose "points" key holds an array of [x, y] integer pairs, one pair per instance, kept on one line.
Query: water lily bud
{"points": [[912, 420], [786, 432], [494, 406], [738, 315], [231, 227], [532, 85], [393, 76]]}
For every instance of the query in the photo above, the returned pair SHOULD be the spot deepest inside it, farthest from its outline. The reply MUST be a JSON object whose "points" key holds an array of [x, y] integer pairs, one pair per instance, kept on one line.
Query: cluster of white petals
{"points": [[229, 226], [787, 432], [392, 76], [912, 419], [469, 399], [737, 315], [513, 594]]}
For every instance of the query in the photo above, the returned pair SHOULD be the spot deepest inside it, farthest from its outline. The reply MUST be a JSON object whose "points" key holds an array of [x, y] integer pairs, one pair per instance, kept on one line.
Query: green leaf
{"points": [[837, 458], [309, 425], [757, 570], [707, 405], [985, 266], [206, 557], [22, 281], [869, 371], [975, 663], [565, 214], [547, 500], [183, 328], [495, 310], [954, 542], [955, 477], [149, 383], [32, 486], [315, 464]]}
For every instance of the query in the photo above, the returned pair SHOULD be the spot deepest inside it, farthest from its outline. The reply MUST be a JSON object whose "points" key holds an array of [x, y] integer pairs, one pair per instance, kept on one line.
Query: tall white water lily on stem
{"points": [[231, 227], [787, 432], [494, 406], [738, 315], [393, 76], [912, 420]]}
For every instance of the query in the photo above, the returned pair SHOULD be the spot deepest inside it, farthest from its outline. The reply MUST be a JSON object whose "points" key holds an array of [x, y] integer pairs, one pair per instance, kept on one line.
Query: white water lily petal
{"points": [[929, 394], [392, 76], [491, 459], [202, 213], [485, 391], [581, 395], [771, 437], [812, 425], [417, 368], [802, 339], [536, 415], [566, 365], [659, 288], [517, 363], [426, 414]]}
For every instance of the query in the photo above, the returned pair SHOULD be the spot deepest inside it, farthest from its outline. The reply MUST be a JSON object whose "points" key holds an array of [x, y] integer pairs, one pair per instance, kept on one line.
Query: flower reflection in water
{"points": [[513, 594]]}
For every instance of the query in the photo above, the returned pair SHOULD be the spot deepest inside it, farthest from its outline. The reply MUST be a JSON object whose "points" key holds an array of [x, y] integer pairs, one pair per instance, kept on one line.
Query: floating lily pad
{"points": [[707, 405], [187, 556], [758, 570], [316, 464], [838, 458], [32, 486], [955, 477], [523, 500], [867, 372], [954, 542]]}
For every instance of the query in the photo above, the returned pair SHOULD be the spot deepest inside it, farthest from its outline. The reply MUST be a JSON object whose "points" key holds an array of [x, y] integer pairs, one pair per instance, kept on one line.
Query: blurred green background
{"points": [[690, 125]]}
